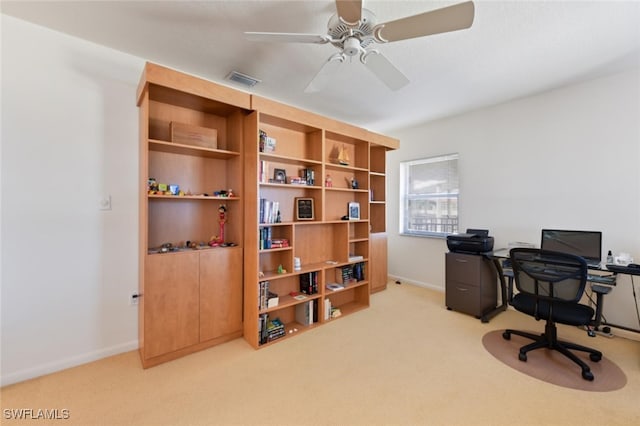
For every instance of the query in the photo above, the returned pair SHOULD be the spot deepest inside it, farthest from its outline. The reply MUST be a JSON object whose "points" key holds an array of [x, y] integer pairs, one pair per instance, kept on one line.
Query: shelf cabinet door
{"points": [[170, 303], [378, 261], [220, 292]]}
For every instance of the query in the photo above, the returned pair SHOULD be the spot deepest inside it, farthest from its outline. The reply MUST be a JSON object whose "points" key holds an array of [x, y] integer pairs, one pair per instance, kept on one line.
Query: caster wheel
{"points": [[448, 308], [506, 335], [587, 375], [606, 330], [595, 357], [522, 357]]}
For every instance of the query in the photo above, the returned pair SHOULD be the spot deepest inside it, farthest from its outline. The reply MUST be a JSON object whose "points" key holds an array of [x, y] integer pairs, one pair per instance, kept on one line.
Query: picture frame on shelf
{"points": [[304, 208], [354, 210], [279, 176]]}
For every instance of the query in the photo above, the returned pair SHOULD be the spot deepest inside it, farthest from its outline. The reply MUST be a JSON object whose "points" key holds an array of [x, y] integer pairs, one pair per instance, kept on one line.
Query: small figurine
{"points": [[230, 193], [222, 217], [328, 182], [354, 183]]}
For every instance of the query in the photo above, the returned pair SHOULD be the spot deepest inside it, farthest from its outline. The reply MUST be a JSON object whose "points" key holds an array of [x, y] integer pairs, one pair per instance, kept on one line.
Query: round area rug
{"points": [[553, 367]]}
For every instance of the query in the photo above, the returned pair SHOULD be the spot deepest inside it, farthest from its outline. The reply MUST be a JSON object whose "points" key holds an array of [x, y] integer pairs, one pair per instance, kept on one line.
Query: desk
{"points": [[497, 256]]}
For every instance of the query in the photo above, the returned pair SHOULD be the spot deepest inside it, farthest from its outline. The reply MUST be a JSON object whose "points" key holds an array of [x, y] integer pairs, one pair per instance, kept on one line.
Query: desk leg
{"points": [[503, 291], [600, 291]]}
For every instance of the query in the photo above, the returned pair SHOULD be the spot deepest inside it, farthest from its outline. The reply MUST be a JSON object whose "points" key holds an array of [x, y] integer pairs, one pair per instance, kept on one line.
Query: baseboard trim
{"points": [[395, 278], [63, 364]]}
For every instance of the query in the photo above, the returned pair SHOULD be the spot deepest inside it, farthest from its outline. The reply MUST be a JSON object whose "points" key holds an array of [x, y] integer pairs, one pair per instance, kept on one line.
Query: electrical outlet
{"points": [[104, 203], [133, 299]]}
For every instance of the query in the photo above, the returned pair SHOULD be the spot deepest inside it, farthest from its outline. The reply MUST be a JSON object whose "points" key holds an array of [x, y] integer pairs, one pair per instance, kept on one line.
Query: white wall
{"points": [[567, 159], [69, 135]]}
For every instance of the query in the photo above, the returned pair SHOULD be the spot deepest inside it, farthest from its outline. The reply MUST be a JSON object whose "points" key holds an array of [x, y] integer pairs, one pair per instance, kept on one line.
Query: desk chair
{"points": [[550, 285]]}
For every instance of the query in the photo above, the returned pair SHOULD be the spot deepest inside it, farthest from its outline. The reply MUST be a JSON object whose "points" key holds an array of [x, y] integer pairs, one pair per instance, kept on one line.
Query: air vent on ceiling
{"points": [[243, 79]]}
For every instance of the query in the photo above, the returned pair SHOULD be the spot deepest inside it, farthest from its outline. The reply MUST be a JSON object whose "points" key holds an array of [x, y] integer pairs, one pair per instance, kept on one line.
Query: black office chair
{"points": [[550, 285]]}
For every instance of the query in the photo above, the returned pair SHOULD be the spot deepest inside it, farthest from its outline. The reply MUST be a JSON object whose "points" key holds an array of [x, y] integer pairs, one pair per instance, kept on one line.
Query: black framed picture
{"points": [[304, 209], [279, 175], [354, 210]]}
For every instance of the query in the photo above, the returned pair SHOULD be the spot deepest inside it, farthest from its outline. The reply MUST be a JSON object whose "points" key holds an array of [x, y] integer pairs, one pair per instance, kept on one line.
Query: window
{"points": [[429, 191]]}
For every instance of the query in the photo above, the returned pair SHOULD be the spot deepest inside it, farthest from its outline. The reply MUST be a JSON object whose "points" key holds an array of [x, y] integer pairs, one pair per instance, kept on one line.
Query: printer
{"points": [[474, 241]]}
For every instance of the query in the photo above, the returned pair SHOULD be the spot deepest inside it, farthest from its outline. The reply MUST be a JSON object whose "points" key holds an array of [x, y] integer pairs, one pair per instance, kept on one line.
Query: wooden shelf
{"points": [[288, 300], [192, 197], [176, 148], [334, 166], [331, 188], [276, 158], [289, 185]]}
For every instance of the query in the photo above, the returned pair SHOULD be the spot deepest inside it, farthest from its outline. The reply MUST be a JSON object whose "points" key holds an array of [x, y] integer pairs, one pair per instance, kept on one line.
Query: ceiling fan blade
{"points": [[288, 37], [451, 18], [321, 79], [384, 70], [349, 10]]}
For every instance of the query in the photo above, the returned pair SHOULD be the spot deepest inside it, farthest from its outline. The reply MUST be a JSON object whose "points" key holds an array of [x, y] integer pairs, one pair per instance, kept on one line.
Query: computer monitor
{"points": [[587, 244]]}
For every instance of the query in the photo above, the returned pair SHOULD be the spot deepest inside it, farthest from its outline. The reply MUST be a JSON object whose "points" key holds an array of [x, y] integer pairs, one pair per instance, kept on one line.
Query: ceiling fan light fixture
{"points": [[351, 46], [244, 79]]}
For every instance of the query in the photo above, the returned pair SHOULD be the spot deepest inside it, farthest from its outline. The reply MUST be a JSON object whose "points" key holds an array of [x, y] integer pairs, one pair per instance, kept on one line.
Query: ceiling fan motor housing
{"points": [[347, 35]]}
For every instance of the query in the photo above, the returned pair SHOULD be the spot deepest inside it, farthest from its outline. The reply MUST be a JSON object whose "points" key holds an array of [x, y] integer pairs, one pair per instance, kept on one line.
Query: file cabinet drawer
{"points": [[463, 298], [463, 268]]}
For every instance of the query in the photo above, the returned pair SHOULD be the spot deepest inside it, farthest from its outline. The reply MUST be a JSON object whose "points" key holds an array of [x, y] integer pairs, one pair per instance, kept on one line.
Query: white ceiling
{"points": [[514, 48]]}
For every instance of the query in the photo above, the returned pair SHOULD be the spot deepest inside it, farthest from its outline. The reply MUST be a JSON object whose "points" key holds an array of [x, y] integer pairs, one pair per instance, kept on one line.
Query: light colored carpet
{"points": [[405, 361], [553, 367]]}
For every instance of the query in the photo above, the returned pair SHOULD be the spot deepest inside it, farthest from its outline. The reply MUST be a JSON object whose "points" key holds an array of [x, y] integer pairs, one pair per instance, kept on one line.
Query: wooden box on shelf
{"points": [[188, 134]]}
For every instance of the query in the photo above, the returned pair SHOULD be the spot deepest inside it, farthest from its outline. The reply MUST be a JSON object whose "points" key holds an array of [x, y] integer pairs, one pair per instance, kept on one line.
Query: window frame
{"points": [[405, 197]]}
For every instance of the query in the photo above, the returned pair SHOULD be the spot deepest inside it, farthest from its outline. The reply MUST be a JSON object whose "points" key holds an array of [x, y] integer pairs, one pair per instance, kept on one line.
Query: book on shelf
{"points": [[309, 282], [355, 257], [263, 294], [327, 308], [263, 177], [269, 329], [308, 176], [304, 312], [334, 286], [344, 275], [269, 211], [272, 300], [279, 243], [267, 143], [264, 238], [358, 271]]}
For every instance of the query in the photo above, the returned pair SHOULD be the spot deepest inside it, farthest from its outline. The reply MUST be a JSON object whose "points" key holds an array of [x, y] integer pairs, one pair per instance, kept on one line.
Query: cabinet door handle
{"points": [[462, 289], [462, 260]]}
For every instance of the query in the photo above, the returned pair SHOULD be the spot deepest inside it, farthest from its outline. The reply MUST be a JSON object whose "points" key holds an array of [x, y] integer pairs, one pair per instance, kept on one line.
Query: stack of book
{"points": [[270, 330], [279, 243]]}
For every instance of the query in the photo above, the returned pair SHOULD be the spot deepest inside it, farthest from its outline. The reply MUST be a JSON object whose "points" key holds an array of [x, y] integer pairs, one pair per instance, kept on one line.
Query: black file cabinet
{"points": [[471, 284]]}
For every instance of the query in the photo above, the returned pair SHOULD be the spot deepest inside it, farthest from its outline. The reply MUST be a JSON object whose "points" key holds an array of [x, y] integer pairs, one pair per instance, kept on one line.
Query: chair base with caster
{"points": [[549, 340]]}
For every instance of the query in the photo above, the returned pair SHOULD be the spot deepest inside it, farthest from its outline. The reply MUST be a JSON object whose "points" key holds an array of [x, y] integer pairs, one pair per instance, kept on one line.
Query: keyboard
{"points": [[611, 280]]}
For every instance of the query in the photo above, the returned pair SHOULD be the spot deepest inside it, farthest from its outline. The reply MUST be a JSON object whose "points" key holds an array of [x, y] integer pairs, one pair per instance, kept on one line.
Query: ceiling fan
{"points": [[354, 29]]}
